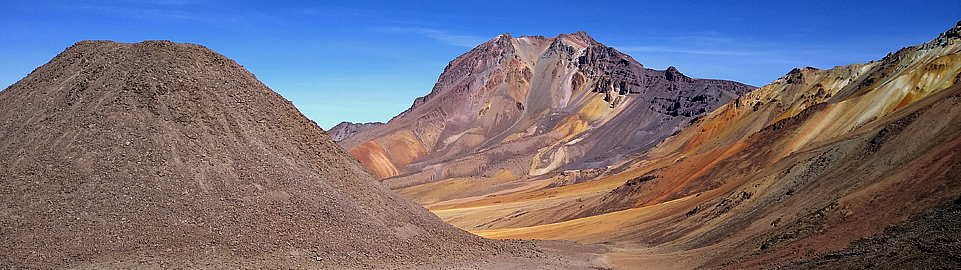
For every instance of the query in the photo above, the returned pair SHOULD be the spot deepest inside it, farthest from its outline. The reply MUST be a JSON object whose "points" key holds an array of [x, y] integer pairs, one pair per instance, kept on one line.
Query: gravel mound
{"points": [[162, 154]]}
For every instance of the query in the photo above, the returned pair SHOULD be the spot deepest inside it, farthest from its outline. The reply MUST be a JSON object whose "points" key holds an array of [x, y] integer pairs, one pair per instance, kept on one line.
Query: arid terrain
{"points": [[528, 153], [161, 154], [790, 174]]}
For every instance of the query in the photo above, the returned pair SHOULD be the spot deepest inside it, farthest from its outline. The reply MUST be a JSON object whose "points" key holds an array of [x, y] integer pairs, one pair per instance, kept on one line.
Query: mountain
{"points": [[159, 154], [344, 130], [513, 112], [788, 174]]}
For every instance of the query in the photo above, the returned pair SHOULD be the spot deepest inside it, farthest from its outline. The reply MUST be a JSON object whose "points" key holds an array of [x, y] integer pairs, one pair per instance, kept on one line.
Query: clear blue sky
{"points": [[367, 60]]}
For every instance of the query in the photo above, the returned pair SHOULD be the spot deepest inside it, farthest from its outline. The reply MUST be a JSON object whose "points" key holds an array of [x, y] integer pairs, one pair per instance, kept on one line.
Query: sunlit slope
{"points": [[801, 166], [159, 154]]}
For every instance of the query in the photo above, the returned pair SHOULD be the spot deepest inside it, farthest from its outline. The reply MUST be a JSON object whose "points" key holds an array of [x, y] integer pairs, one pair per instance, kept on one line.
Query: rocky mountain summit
{"points": [[513, 112]]}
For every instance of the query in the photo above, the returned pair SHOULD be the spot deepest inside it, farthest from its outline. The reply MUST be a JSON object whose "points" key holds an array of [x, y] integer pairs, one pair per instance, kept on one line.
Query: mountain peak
{"points": [[580, 38], [672, 74], [147, 43], [954, 32], [583, 36], [947, 38], [500, 41]]}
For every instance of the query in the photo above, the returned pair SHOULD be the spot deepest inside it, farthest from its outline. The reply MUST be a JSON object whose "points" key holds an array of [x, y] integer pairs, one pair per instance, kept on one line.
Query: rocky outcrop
{"points": [[344, 130], [673, 75]]}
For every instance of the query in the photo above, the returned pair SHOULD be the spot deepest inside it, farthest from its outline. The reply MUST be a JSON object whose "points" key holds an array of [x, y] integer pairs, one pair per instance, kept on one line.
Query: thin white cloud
{"points": [[658, 49], [445, 37], [331, 12], [150, 12], [703, 44], [171, 11], [172, 2]]}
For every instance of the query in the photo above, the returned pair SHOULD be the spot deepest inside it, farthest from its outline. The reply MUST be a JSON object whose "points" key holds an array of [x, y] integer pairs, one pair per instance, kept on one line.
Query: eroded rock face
{"points": [[535, 106]]}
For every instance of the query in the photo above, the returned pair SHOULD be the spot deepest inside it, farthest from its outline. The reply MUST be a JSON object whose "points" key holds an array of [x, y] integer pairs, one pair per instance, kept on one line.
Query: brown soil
{"points": [[159, 154], [928, 241]]}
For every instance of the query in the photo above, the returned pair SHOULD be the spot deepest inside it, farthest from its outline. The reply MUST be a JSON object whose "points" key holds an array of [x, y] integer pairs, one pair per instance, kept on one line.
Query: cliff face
{"points": [[164, 154], [516, 111]]}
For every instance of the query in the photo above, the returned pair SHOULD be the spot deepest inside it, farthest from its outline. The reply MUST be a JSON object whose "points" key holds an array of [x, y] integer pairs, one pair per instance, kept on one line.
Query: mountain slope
{"points": [[794, 169], [160, 154], [514, 112], [929, 239]]}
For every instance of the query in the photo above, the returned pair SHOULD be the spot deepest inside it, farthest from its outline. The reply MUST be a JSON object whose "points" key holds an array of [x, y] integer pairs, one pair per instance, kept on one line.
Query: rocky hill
{"points": [[159, 154], [516, 111]]}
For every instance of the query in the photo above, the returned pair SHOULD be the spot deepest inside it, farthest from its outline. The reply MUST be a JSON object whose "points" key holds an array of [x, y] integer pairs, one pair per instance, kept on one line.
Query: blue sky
{"points": [[367, 60]]}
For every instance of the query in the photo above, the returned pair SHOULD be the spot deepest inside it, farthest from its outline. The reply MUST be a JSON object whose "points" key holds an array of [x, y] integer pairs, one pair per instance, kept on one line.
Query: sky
{"points": [[364, 61]]}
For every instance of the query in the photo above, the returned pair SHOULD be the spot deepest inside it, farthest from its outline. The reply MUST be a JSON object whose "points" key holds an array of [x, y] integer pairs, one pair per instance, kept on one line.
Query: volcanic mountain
{"points": [[514, 112], [159, 154], [797, 169]]}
